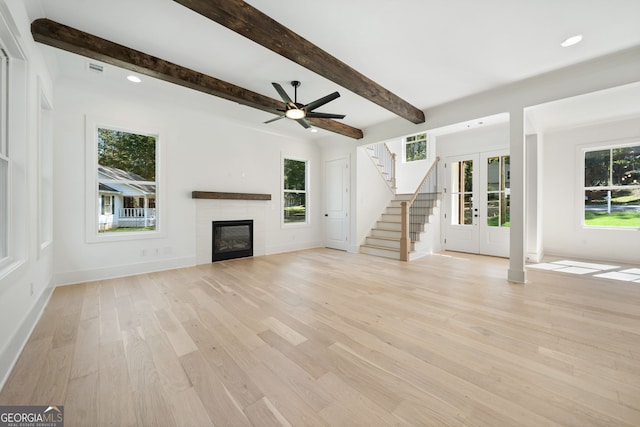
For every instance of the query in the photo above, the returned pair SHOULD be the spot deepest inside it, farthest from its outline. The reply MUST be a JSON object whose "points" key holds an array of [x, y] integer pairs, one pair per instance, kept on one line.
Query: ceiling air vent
{"points": [[96, 68]]}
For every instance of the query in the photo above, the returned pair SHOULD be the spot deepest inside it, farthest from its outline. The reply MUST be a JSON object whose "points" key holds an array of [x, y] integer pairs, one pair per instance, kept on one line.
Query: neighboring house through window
{"points": [[295, 209], [612, 186]]}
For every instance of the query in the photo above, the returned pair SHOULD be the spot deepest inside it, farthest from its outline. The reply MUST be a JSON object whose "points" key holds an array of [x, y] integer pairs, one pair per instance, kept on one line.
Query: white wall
{"points": [[24, 285], [410, 174], [199, 151], [563, 233], [475, 140], [373, 195]]}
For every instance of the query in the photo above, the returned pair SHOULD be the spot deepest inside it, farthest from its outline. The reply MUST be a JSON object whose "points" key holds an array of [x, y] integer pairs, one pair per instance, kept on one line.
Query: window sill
{"points": [[9, 266]]}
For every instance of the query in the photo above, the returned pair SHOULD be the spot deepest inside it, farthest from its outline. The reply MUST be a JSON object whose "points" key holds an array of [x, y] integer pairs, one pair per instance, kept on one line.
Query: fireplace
{"points": [[232, 239]]}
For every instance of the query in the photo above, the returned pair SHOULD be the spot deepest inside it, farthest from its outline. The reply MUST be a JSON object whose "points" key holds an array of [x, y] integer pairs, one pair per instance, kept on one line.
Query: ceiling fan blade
{"points": [[305, 124], [317, 115], [320, 102], [283, 94], [274, 119]]}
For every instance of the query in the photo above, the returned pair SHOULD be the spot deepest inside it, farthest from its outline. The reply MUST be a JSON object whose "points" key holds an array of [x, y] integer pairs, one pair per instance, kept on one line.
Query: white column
{"points": [[517, 230]]}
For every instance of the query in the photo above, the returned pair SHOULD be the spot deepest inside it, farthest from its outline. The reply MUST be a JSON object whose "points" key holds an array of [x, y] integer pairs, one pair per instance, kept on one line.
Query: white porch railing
{"points": [[148, 213]]}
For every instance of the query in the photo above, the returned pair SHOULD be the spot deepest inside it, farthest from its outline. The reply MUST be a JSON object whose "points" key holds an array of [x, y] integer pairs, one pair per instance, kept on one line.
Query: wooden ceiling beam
{"points": [[72, 40], [248, 21]]}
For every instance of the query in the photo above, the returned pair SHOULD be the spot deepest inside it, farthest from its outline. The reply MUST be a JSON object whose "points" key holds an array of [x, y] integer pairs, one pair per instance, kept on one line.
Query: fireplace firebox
{"points": [[232, 239]]}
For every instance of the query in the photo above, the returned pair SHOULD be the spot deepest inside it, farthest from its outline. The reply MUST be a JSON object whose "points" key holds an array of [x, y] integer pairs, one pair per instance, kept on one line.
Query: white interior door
{"points": [[337, 195], [477, 193]]}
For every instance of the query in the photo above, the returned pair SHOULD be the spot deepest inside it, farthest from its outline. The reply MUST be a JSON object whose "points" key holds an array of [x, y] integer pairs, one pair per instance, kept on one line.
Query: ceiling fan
{"points": [[299, 112]]}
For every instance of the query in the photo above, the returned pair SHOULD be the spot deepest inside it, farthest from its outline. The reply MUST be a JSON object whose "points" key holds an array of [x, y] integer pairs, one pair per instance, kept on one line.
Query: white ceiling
{"points": [[426, 51]]}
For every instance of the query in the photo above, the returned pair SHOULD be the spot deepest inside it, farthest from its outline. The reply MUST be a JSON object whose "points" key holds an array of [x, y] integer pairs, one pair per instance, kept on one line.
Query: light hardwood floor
{"points": [[323, 337]]}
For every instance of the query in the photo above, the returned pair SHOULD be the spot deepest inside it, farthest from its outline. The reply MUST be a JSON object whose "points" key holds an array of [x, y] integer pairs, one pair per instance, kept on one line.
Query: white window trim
{"points": [[91, 183], [45, 136], [18, 104], [580, 187], [307, 222]]}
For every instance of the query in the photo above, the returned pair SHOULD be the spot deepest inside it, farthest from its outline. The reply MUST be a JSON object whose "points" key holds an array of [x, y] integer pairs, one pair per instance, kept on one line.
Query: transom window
{"points": [[295, 191], [415, 147], [612, 187]]}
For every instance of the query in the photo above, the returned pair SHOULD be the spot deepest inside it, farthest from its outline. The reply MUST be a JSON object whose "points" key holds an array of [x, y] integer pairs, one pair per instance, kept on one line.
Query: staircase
{"points": [[384, 238], [385, 162]]}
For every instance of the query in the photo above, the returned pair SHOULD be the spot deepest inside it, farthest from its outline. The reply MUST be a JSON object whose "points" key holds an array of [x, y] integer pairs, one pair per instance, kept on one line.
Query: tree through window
{"points": [[416, 147], [295, 191], [612, 187]]}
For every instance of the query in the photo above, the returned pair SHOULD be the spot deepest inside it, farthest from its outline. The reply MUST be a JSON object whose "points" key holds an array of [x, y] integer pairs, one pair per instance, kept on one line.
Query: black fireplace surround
{"points": [[231, 239]]}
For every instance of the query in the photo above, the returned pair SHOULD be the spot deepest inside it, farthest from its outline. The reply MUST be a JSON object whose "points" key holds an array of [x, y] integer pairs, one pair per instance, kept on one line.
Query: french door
{"points": [[476, 209]]}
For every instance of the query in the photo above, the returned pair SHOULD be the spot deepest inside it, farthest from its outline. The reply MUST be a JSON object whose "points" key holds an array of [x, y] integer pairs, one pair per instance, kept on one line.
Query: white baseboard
{"points": [[270, 250], [72, 277], [13, 349]]}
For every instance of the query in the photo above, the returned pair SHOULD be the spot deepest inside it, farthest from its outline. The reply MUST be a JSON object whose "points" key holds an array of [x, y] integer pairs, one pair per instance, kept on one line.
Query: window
{"points": [[462, 192], [107, 205], [612, 187], [126, 187], [295, 191], [4, 155], [498, 191], [415, 147]]}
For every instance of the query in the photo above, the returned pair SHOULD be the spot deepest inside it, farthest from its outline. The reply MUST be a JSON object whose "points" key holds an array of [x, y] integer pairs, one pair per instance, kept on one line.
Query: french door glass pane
{"points": [[498, 182], [493, 174], [462, 192]]}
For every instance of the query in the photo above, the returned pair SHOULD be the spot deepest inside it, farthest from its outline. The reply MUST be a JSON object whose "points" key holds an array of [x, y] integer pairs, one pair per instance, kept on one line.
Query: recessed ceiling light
{"points": [[313, 130], [134, 79], [572, 40]]}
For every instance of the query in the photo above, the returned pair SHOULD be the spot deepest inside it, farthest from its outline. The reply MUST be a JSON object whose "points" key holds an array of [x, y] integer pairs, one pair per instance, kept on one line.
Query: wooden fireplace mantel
{"points": [[228, 196]]}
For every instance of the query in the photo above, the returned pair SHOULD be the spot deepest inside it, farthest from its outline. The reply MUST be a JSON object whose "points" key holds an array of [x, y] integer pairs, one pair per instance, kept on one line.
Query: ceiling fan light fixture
{"points": [[295, 113]]}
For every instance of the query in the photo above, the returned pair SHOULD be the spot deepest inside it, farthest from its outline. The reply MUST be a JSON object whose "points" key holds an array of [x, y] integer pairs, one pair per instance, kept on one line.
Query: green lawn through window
{"points": [[614, 219]]}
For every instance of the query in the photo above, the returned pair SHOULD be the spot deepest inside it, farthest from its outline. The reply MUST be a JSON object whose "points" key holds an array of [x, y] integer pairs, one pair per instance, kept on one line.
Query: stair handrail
{"points": [[392, 155], [405, 239], [387, 161]]}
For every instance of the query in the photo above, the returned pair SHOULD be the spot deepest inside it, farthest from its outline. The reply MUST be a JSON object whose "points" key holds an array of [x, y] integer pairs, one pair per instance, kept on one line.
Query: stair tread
{"points": [[391, 218], [391, 239], [384, 248]]}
